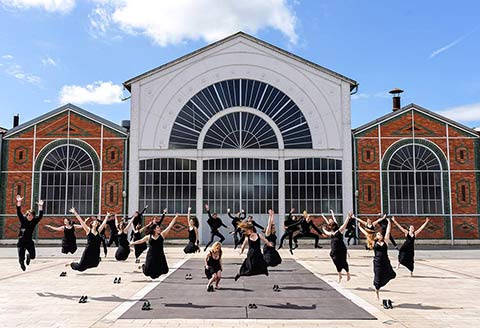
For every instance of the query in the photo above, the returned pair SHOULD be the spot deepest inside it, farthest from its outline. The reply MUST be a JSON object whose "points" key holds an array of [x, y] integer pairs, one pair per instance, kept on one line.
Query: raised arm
{"points": [[40, 210], [316, 228], [207, 208], [325, 219], [142, 229], [143, 211], [82, 223], [333, 216], [140, 241], [129, 224], [402, 229], [326, 232], [365, 233], [230, 214], [54, 228], [379, 220], [104, 223], [360, 220], [387, 233], [270, 223], [19, 208], [265, 240], [422, 226], [170, 226], [163, 216], [243, 214], [344, 225], [255, 224]]}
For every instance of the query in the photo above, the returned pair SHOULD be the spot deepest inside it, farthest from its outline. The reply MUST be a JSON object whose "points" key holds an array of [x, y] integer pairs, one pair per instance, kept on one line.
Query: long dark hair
{"points": [[151, 229], [332, 226], [195, 221]]}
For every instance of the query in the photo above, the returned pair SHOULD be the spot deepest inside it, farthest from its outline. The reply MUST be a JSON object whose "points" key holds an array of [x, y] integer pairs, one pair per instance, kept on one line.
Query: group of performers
{"points": [[244, 233]]}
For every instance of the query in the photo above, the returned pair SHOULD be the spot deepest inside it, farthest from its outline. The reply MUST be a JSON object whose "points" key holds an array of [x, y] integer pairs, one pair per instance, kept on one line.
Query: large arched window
{"points": [[415, 181], [66, 180], [240, 130]]}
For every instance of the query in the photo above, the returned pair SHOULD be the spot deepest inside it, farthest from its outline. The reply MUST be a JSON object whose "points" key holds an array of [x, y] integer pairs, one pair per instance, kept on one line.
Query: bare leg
{"points": [[377, 292], [339, 277], [219, 277], [348, 276], [411, 273]]}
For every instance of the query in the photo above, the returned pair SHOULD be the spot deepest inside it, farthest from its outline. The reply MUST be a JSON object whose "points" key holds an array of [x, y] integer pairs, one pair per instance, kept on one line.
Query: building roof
{"points": [[64, 108], [3, 130], [417, 108], [127, 84]]}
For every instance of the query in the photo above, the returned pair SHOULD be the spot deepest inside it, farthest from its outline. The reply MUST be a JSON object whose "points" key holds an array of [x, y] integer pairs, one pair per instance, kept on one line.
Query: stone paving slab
{"points": [[302, 296]]}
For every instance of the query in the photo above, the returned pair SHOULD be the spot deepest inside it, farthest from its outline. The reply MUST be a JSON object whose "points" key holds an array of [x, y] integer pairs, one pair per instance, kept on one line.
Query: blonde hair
{"points": [[217, 247], [370, 237], [245, 225]]}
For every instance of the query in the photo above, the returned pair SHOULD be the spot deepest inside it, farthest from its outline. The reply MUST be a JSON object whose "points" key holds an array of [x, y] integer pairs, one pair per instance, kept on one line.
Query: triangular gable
{"points": [[73, 131], [245, 36], [419, 130]]}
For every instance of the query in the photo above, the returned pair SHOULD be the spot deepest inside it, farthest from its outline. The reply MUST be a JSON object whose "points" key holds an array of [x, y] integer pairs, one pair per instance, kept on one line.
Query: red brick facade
{"points": [[373, 145], [25, 148]]}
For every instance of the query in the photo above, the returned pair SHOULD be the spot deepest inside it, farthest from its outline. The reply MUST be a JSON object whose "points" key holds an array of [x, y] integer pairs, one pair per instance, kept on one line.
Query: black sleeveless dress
{"points": [[254, 264], [91, 254], [123, 249], [383, 271], [338, 251], [407, 252], [213, 266], [270, 254], [140, 248], [155, 262], [69, 241], [192, 242]]}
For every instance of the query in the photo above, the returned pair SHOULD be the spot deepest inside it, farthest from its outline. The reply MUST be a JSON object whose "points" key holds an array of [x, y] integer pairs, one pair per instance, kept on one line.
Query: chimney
{"points": [[16, 120], [396, 98], [126, 124]]}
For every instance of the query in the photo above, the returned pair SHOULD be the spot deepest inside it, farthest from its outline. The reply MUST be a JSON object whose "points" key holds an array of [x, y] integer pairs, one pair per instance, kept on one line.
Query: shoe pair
{"points": [[252, 306], [63, 274], [137, 261], [276, 288], [188, 276], [146, 306], [117, 280], [387, 304], [83, 299], [210, 288]]}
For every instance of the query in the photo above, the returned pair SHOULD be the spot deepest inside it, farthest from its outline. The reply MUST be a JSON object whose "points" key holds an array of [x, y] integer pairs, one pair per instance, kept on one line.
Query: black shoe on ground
{"points": [[385, 304], [115, 280], [389, 303], [28, 259]]}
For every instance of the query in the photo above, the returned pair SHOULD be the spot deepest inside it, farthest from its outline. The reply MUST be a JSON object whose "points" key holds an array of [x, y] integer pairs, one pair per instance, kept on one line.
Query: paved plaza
{"points": [[444, 292]]}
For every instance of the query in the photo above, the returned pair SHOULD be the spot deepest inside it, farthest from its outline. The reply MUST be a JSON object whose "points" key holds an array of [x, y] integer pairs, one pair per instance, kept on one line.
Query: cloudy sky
{"points": [[58, 51]]}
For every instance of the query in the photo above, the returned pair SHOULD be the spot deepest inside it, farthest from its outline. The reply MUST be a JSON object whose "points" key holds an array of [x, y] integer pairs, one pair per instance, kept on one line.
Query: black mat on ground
{"points": [[302, 296]]}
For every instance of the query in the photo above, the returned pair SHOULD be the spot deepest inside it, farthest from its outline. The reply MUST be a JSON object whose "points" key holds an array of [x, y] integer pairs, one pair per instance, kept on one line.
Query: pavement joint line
{"points": [[381, 316], [16, 275], [448, 270], [116, 313]]}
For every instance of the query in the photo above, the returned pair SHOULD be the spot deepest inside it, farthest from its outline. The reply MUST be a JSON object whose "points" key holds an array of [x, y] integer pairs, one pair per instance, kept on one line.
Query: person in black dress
{"points": [[291, 225], [368, 230], [215, 223], [91, 254], [213, 266], [383, 226], [254, 264], [406, 254], [28, 222], [123, 249], [69, 240], [113, 225], [155, 262], [306, 224], [137, 235], [338, 251], [235, 221], [193, 240], [382, 268], [270, 254]]}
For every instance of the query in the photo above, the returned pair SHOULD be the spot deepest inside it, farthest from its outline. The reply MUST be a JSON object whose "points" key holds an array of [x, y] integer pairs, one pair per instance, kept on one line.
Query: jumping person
{"points": [[291, 226], [368, 230], [137, 235], [338, 250], [254, 264], [69, 240], [137, 216], [215, 223], [350, 232], [123, 249], [306, 224], [406, 253], [28, 222], [213, 266], [113, 225], [193, 240], [270, 254], [155, 262], [235, 221], [91, 254], [383, 226]]}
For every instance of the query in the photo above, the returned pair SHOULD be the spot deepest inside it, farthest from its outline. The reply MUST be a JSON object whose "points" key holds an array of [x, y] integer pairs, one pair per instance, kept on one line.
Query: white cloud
{"points": [[49, 61], [175, 21], [465, 113], [99, 92], [62, 6], [451, 44], [17, 72], [7, 57]]}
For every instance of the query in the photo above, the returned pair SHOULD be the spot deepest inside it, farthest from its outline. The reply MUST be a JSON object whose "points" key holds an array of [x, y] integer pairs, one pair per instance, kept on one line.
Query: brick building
{"points": [[414, 163], [68, 157]]}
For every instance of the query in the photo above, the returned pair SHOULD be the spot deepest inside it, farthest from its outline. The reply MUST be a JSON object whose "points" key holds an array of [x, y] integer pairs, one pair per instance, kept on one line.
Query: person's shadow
{"points": [[420, 306], [112, 298]]}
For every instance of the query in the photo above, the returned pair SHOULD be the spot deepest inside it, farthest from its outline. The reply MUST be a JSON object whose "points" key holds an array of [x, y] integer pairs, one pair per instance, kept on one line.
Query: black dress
{"points": [[123, 249], [69, 241], [270, 254], [383, 271], [140, 248], [213, 266], [338, 251], [91, 254], [407, 252], [192, 242], [254, 264], [155, 262]]}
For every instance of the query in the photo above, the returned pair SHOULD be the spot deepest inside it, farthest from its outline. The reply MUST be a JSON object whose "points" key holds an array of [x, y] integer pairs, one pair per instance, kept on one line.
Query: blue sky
{"points": [[81, 51]]}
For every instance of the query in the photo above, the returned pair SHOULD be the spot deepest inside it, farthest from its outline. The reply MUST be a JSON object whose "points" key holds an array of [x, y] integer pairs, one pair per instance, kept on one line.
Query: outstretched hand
{"points": [[73, 210], [19, 199], [40, 202], [207, 207]]}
